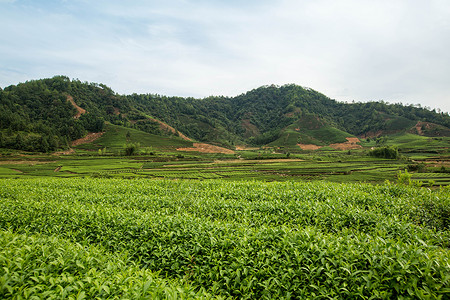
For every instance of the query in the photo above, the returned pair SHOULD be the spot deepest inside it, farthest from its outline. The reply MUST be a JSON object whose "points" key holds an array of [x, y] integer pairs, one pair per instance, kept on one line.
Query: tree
{"points": [[44, 145], [19, 142], [385, 152], [131, 149]]}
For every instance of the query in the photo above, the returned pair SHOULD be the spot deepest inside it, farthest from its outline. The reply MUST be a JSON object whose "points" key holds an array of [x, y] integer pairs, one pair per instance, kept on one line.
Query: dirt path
{"points": [[167, 127], [89, 138], [206, 148], [80, 110]]}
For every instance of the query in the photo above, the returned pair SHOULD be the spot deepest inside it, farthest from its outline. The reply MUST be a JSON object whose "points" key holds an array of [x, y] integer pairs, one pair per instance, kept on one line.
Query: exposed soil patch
{"points": [[372, 134], [351, 143], [293, 113], [167, 127], [250, 129], [66, 152], [89, 138], [419, 125], [419, 128], [242, 148], [309, 146], [80, 110], [206, 148], [257, 161]]}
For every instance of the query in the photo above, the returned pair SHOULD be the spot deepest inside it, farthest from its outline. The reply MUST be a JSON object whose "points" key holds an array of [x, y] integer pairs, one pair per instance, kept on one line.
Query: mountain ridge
{"points": [[37, 116]]}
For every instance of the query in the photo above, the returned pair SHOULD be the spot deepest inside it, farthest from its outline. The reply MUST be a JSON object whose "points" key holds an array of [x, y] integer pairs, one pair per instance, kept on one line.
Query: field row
{"points": [[249, 239], [43, 267], [371, 170]]}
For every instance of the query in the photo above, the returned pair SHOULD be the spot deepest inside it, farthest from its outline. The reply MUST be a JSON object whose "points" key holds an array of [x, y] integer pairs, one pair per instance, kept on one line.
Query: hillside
{"points": [[47, 114]]}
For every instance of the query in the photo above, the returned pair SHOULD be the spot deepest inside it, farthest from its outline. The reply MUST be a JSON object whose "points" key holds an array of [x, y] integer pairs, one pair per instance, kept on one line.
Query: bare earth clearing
{"points": [[309, 146], [70, 151], [206, 148], [240, 148], [89, 138], [351, 143], [80, 110], [256, 161]]}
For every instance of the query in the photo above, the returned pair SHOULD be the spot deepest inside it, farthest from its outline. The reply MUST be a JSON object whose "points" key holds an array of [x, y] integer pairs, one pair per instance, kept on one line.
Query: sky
{"points": [[349, 50]]}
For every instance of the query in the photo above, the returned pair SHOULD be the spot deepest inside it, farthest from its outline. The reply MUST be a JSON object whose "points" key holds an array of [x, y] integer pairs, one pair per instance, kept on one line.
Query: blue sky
{"points": [[360, 50]]}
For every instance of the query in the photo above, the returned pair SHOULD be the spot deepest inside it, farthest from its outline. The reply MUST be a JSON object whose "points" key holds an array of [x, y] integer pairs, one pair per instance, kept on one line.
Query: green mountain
{"points": [[47, 114]]}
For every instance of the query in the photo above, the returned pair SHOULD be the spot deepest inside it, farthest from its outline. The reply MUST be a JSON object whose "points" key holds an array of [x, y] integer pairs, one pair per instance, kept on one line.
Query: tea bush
{"points": [[241, 239]]}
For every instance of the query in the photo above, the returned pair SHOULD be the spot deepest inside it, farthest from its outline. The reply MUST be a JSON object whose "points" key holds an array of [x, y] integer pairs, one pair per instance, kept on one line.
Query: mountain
{"points": [[47, 114]]}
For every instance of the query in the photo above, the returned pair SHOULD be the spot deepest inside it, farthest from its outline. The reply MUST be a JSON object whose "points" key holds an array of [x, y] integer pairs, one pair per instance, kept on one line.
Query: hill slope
{"points": [[44, 115]]}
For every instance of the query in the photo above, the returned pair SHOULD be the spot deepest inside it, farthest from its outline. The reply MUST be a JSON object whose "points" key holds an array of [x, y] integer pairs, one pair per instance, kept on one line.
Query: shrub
{"points": [[131, 149], [389, 152]]}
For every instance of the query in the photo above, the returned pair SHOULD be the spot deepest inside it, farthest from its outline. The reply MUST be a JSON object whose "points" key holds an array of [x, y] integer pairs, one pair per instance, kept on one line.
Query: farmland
{"points": [[333, 167], [279, 193], [88, 237]]}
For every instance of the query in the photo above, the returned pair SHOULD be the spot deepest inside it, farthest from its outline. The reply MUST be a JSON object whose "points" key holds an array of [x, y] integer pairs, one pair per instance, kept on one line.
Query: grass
{"points": [[115, 137], [399, 123], [309, 130], [411, 143]]}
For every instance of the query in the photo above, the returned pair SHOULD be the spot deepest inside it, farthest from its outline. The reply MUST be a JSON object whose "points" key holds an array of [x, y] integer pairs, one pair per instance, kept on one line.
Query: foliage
{"points": [[40, 267], [232, 239], [40, 109], [131, 148], [389, 152], [419, 167]]}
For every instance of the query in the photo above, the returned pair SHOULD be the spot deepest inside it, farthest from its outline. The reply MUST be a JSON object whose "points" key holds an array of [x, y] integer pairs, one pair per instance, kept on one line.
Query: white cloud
{"points": [[347, 49]]}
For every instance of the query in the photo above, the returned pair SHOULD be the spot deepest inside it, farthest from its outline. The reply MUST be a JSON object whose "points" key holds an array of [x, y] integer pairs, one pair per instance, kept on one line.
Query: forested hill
{"points": [[44, 115]]}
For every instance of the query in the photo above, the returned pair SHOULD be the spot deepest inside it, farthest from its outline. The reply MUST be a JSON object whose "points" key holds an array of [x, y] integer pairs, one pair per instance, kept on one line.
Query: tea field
{"points": [[87, 238], [347, 169]]}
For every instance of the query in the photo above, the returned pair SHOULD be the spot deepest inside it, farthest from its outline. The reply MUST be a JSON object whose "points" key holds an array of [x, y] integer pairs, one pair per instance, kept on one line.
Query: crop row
{"points": [[41, 267], [251, 239]]}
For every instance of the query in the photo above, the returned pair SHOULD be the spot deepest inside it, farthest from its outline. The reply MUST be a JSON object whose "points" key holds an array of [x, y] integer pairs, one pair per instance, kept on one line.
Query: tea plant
{"points": [[246, 239]]}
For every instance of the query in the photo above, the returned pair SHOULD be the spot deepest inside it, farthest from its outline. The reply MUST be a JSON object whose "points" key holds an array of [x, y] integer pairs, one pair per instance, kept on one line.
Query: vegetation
{"points": [[38, 116], [246, 240], [385, 152], [138, 208], [131, 149], [47, 267]]}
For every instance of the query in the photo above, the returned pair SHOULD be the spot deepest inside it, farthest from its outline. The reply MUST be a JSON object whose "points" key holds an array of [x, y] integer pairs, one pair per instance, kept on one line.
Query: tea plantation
{"points": [[87, 238]]}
